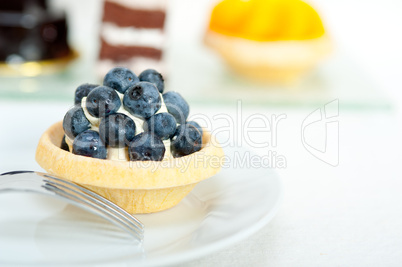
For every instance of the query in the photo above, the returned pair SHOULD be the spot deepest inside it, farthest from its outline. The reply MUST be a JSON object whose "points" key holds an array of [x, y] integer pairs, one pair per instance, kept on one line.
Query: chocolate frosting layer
{"points": [[122, 53], [126, 17]]}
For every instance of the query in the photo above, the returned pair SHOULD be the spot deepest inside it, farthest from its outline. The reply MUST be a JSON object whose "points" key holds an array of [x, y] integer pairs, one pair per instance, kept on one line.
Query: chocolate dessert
{"points": [[29, 31], [132, 35]]}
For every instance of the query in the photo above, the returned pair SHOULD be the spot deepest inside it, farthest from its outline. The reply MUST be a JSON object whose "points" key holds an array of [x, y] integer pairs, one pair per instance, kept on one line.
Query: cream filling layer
{"points": [[131, 36]]}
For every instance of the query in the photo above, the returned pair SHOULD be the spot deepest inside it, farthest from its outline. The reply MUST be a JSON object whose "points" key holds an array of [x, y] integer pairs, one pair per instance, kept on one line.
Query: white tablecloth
{"points": [[346, 215]]}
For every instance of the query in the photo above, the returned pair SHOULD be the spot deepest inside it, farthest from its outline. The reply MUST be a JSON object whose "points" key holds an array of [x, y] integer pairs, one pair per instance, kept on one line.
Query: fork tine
{"points": [[111, 215], [116, 209], [76, 197], [127, 217], [103, 200]]}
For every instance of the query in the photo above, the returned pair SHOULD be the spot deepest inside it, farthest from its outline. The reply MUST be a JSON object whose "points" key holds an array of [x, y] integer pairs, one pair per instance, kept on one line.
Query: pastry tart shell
{"points": [[278, 62], [137, 187]]}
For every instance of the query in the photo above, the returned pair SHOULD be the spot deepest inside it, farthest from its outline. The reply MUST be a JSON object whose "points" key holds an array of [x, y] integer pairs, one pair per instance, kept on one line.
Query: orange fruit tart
{"points": [[268, 40]]}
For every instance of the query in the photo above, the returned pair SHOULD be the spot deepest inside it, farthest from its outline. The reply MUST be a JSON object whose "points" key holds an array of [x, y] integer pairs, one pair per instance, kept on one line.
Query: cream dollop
{"points": [[121, 153]]}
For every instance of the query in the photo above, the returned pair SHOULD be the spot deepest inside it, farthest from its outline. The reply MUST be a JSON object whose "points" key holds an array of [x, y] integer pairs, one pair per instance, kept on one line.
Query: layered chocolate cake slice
{"points": [[132, 35]]}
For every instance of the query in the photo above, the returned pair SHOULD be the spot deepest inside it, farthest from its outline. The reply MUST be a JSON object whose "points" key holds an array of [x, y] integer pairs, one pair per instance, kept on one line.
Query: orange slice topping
{"points": [[266, 20]]}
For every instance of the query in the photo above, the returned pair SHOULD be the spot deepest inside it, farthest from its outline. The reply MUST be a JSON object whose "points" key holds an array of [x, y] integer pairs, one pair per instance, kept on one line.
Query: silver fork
{"points": [[29, 181]]}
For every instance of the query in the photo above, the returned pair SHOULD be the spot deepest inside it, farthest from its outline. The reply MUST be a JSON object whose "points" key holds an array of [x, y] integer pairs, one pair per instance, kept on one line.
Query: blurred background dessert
{"points": [[30, 31], [281, 42], [268, 40], [132, 35]]}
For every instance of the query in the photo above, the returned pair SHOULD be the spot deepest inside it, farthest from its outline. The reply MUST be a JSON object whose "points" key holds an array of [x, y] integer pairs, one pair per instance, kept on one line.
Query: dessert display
{"points": [[130, 142], [268, 40], [132, 35], [31, 32]]}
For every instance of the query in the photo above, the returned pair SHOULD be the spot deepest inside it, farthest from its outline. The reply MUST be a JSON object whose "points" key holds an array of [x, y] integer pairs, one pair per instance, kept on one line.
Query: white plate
{"points": [[220, 211]]}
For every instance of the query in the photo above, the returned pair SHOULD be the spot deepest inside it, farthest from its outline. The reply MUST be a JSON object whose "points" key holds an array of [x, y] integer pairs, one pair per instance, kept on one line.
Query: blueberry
{"points": [[142, 100], [154, 77], [82, 91], [102, 101], [120, 79], [196, 125], [146, 146], [89, 144], [177, 106], [117, 130], [64, 145], [75, 122], [185, 141], [162, 125]]}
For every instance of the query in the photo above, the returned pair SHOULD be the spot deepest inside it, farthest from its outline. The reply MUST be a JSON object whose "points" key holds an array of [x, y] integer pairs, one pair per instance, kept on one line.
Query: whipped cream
{"points": [[121, 153]]}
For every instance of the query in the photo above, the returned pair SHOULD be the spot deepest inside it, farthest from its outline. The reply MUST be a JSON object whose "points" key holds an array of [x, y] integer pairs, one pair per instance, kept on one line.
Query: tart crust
{"points": [[138, 187], [270, 61]]}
